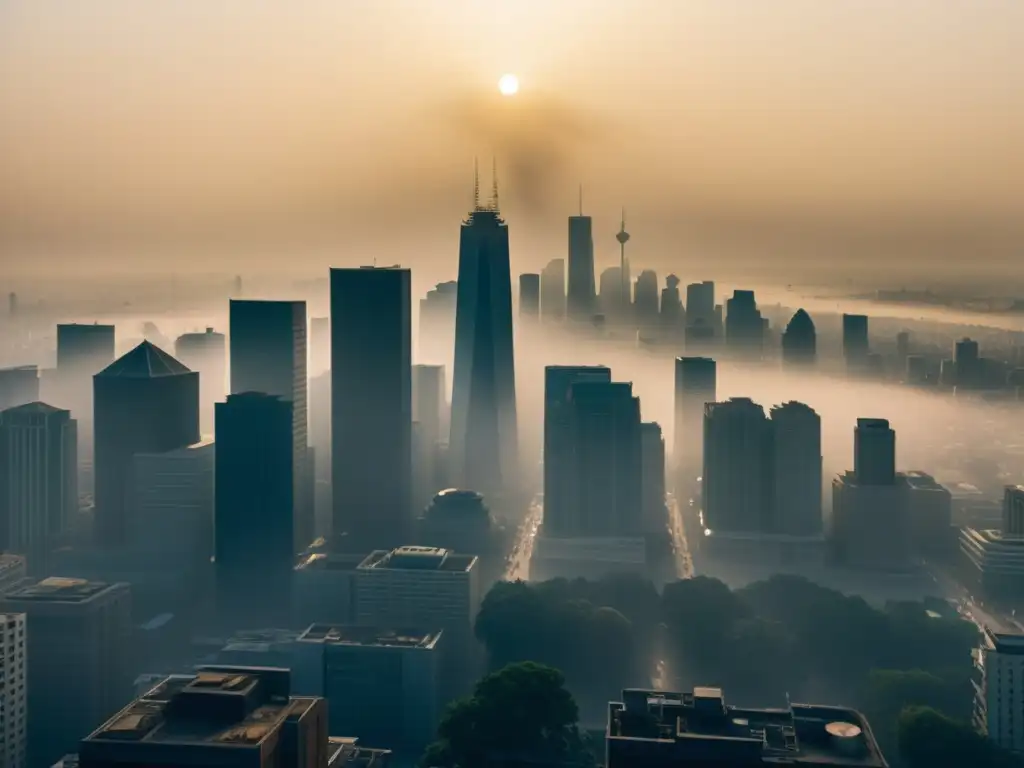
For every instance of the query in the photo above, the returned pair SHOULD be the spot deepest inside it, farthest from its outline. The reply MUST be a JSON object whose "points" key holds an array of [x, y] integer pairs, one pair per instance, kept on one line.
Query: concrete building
{"points": [[874, 452], [695, 386], [737, 467], [744, 325], [234, 717], [652, 729], [580, 295], [700, 303], [645, 302], [796, 484], [323, 588], [18, 386], [78, 643], [999, 695], [13, 690], [855, 341], [529, 295], [1013, 511], [206, 354], [38, 479], [552, 291], [652, 473], [379, 683], [994, 559], [430, 419], [931, 516]]}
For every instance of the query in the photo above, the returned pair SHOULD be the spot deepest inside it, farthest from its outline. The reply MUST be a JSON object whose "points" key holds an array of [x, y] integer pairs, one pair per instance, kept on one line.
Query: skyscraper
{"points": [[18, 386], [855, 340], [145, 402], [84, 349], [700, 302], [14, 668], [269, 355], [429, 412], [580, 301], [254, 508], [558, 442], [796, 464], [695, 385], [737, 471], [206, 354], [645, 300], [371, 404], [672, 317], [484, 445], [319, 345], [652, 449], [552, 290], [437, 324], [744, 326], [38, 479], [874, 452], [967, 361], [799, 340], [529, 295]]}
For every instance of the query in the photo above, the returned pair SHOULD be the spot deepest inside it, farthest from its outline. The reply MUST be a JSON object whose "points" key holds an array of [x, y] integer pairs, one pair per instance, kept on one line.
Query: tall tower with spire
{"points": [[484, 445], [623, 237], [580, 289]]}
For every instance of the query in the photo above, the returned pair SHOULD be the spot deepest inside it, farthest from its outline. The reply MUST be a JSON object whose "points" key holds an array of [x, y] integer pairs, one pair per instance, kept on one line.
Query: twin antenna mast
{"points": [[493, 205]]}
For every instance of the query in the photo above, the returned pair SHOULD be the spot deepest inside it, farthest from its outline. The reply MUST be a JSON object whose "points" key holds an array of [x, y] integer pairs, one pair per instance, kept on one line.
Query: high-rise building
{"points": [[38, 479], [371, 405], [437, 324], [145, 402], [13, 712], [580, 297], [484, 445], [552, 290], [319, 345], [254, 508], [700, 303], [695, 386], [610, 294], [84, 350], [269, 354], [737, 467], [673, 318], [874, 452], [968, 363], [855, 340], [998, 703], [645, 300], [1013, 512], [529, 294], [18, 386], [902, 347], [796, 465], [206, 354], [607, 466], [652, 451], [559, 459], [799, 340], [744, 325], [429, 413], [78, 642], [234, 717]]}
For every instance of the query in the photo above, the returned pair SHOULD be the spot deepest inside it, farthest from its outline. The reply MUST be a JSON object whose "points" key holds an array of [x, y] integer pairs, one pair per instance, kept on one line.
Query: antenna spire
{"points": [[476, 184], [494, 185]]}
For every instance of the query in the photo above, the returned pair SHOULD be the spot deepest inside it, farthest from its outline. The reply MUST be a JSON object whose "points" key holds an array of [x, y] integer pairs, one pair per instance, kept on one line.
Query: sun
{"points": [[508, 85]]}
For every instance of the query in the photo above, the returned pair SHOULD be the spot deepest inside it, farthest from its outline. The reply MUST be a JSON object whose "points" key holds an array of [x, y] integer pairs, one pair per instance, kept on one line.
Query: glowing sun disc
{"points": [[508, 85]]}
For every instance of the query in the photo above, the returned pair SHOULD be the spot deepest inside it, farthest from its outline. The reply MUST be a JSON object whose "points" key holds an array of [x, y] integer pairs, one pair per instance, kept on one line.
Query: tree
{"points": [[522, 710], [929, 739], [890, 691]]}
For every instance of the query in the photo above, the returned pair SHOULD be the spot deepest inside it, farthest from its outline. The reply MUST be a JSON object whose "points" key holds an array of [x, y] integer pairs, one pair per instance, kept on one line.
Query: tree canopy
{"points": [[930, 739]]}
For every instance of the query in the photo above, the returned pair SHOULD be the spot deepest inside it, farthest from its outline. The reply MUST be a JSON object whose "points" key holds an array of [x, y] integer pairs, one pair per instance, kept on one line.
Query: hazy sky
{"points": [[788, 132]]}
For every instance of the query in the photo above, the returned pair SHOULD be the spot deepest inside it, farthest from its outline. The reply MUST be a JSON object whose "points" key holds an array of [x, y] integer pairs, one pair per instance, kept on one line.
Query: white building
{"points": [[999, 699], [13, 706]]}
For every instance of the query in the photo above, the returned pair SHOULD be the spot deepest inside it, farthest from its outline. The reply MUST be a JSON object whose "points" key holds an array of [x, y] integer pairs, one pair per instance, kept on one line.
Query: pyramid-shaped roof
{"points": [[146, 361], [40, 408]]}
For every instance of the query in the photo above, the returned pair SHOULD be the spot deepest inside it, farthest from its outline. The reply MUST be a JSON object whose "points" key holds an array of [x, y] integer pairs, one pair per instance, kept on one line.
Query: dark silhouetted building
{"points": [[874, 452], [269, 355], [13, 667], [429, 413], [144, 402], [231, 717], [695, 385], [559, 504], [737, 467], [206, 354], [38, 479], [968, 363], [371, 405], [672, 316], [744, 325], [931, 516], [18, 386], [529, 295], [552, 290], [484, 446], [1013, 511], [79, 649], [254, 509], [796, 465], [645, 300], [855, 340], [652, 451], [84, 350], [700, 303], [799, 340], [580, 297]]}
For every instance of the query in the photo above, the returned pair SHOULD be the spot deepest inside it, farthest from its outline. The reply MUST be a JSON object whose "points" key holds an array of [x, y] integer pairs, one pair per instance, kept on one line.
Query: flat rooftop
{"points": [[419, 559], [345, 634], [324, 561], [923, 481], [1004, 642], [698, 724], [58, 589], [346, 753]]}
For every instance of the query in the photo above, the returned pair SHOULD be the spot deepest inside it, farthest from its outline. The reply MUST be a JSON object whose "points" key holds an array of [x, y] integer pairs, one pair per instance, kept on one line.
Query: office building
{"points": [[206, 354], [738, 473], [254, 507], [874, 452], [744, 325], [580, 302], [269, 354], [609, 296], [652, 452], [429, 413], [319, 345], [552, 291], [855, 340], [700, 303], [559, 497], [484, 446], [999, 696], [382, 684], [695, 386], [13, 690], [902, 347], [145, 402], [1013, 511], [234, 717], [322, 587], [916, 373], [799, 340], [437, 323], [931, 517], [84, 350], [796, 467], [993, 559], [425, 587], [672, 316], [529, 295], [650, 729], [371, 405], [645, 300], [78, 642], [18, 386], [968, 363], [38, 479], [606, 469]]}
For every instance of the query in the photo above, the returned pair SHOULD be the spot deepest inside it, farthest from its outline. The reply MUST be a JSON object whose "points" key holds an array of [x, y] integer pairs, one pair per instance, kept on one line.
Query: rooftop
{"points": [[326, 561], [699, 725], [1004, 642], [57, 589], [412, 558], [146, 361], [344, 634], [922, 481], [344, 753], [34, 409]]}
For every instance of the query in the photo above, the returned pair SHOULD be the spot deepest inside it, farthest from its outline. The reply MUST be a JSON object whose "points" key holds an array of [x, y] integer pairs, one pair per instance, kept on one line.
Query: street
{"points": [[519, 559], [680, 544]]}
